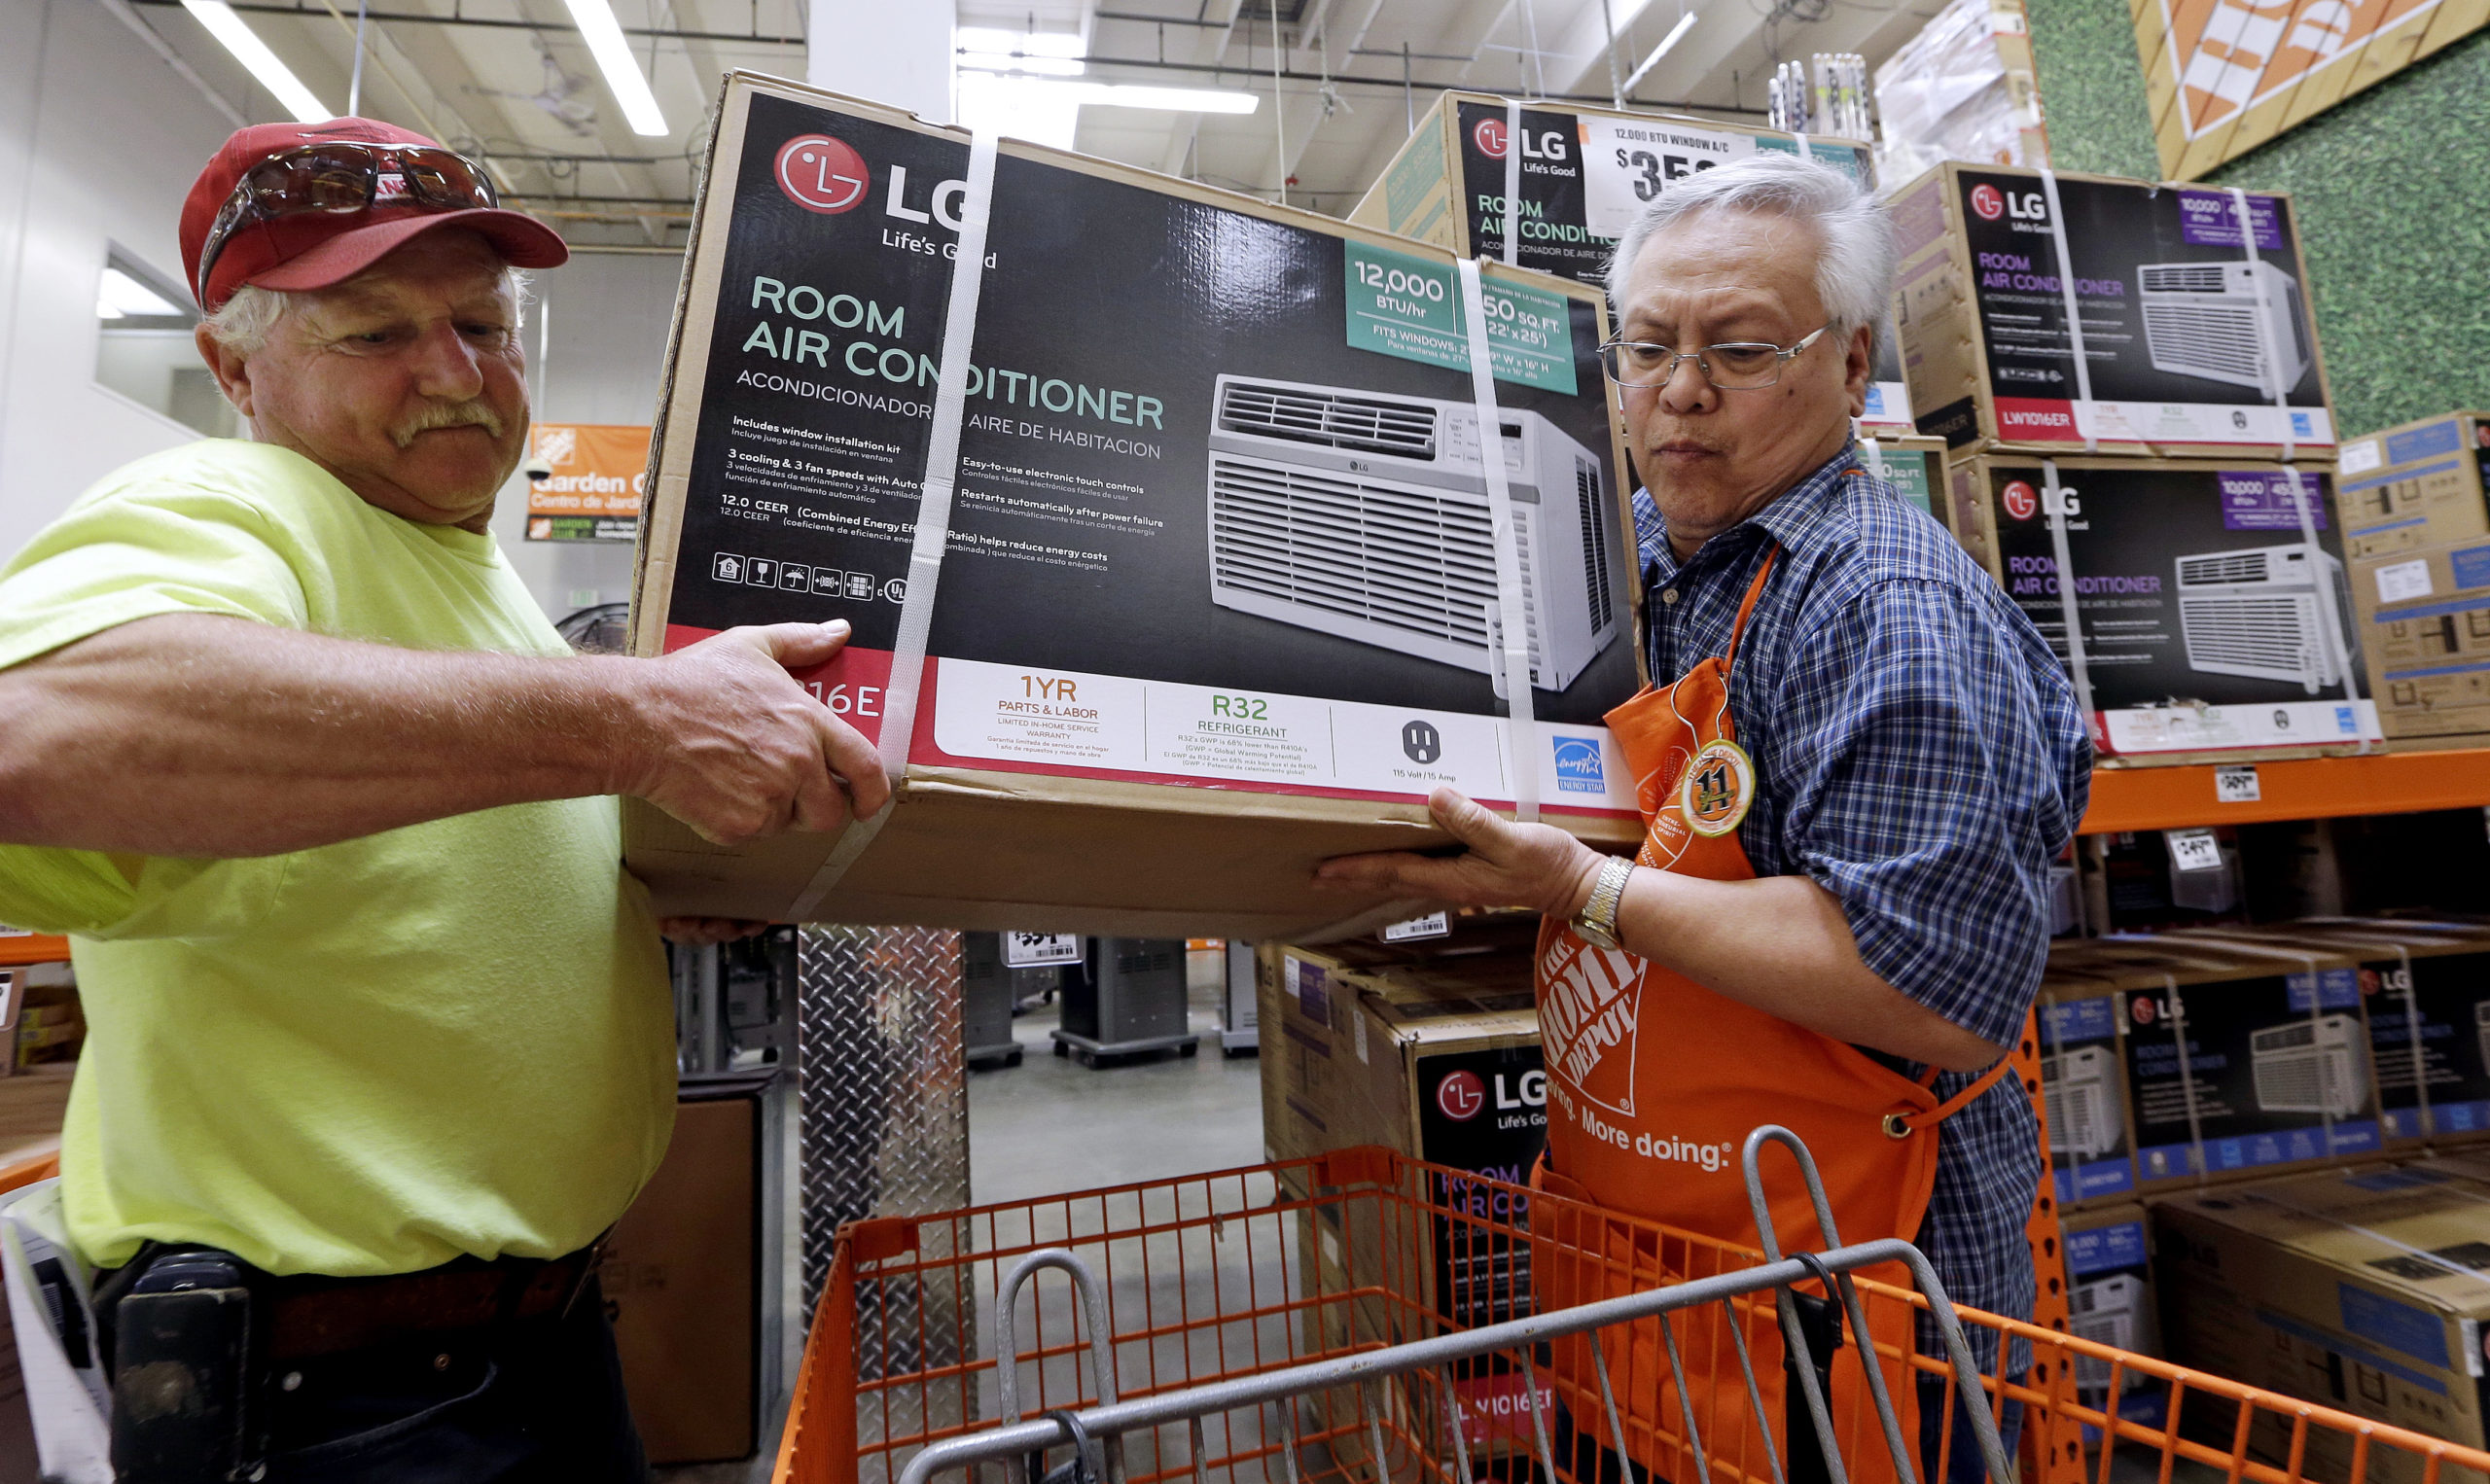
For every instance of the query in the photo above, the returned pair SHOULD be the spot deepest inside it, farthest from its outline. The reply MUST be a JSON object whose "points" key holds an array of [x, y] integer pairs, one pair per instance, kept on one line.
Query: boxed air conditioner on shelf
{"points": [[1220, 580], [2359, 1289], [2424, 984], [2212, 625], [2275, 1070], [1580, 175], [2197, 335], [2423, 484], [2424, 627], [2110, 1302], [2083, 1089]]}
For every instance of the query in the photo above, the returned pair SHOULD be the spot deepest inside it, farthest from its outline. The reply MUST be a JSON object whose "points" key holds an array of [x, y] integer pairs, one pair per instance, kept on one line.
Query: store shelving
{"points": [[2309, 787]]}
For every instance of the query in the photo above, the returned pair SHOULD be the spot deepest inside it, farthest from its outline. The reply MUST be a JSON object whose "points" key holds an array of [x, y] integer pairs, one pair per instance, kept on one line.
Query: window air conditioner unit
{"points": [[2107, 1310], [2259, 611], [1365, 517], [2200, 319], [2310, 1067], [2082, 1101]]}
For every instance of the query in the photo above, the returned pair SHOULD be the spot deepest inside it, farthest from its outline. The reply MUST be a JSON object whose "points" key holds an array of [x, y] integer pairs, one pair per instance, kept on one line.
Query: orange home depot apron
{"points": [[1654, 1082]]}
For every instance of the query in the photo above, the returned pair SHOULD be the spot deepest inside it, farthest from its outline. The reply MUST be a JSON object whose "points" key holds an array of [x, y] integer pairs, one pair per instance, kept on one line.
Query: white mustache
{"points": [[447, 415]]}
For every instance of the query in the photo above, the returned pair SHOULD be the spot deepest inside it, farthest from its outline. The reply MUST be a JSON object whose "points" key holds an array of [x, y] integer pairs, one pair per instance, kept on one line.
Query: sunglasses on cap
{"points": [[339, 178]]}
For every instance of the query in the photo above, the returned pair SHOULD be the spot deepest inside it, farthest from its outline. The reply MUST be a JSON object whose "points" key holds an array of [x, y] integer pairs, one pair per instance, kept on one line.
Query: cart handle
{"points": [[1006, 1345]]}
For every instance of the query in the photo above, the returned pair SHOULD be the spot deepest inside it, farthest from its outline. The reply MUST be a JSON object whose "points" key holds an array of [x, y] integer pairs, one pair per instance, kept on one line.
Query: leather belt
{"points": [[316, 1316]]}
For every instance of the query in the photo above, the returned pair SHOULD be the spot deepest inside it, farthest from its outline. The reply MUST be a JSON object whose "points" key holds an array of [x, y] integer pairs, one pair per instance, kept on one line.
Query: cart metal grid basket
{"points": [[1299, 1321]]}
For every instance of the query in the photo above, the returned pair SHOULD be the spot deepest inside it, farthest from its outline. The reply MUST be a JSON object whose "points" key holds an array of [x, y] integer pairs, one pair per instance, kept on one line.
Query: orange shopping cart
{"points": [[1369, 1318]]}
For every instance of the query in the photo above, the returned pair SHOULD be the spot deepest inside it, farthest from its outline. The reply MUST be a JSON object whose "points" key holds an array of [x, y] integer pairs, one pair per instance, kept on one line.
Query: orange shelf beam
{"points": [[2310, 787], [33, 949]]}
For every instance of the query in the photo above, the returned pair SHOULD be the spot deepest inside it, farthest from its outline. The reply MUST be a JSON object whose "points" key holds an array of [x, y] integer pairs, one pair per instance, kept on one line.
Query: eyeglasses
{"points": [[341, 177], [1733, 366]]}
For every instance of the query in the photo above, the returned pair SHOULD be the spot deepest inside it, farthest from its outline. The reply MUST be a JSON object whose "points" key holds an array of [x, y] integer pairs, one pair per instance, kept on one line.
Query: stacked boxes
{"points": [[2233, 1057], [2211, 625], [1581, 174], [2359, 1289], [1161, 677], [2416, 519], [2111, 1301], [2195, 345], [2128, 378]]}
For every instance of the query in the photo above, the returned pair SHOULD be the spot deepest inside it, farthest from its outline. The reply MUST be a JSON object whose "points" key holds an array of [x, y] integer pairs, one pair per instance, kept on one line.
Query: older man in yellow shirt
{"points": [[380, 1030]]}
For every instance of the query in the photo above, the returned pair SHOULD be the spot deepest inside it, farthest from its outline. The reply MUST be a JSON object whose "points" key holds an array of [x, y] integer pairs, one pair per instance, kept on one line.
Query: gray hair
{"points": [[243, 323], [1855, 253]]}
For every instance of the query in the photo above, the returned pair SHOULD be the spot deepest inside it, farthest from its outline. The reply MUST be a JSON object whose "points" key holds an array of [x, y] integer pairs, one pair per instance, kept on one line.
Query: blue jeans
{"points": [[536, 1399]]}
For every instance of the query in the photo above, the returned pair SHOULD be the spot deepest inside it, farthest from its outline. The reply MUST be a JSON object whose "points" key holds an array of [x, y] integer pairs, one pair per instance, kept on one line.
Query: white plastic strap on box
{"points": [[933, 518], [2186, 1078], [1512, 182], [2053, 501], [1513, 599], [2338, 646], [1806, 151], [2074, 313], [1867, 449], [2423, 1255]]}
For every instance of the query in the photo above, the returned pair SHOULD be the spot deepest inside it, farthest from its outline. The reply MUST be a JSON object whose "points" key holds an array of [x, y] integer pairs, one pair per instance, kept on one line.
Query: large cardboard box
{"points": [[2424, 983], [1219, 575], [2359, 1289], [2209, 626], [2426, 483], [2424, 616], [2171, 311], [1582, 174], [2274, 1071]]}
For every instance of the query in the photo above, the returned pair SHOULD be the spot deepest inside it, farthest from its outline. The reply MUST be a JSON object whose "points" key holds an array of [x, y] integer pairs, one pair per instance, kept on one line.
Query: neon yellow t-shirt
{"points": [[373, 1056]]}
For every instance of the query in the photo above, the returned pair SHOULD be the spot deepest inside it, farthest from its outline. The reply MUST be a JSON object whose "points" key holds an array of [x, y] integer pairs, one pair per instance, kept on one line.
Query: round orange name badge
{"points": [[1718, 787]]}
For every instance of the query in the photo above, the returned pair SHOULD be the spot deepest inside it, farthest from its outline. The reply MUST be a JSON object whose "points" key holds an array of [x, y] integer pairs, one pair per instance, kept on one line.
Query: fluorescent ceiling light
{"points": [[254, 53], [118, 294], [1677, 33], [1035, 108], [604, 37], [1181, 100]]}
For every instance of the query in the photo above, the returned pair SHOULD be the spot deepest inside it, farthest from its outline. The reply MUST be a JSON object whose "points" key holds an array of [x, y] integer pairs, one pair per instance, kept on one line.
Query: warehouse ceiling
{"points": [[513, 80]]}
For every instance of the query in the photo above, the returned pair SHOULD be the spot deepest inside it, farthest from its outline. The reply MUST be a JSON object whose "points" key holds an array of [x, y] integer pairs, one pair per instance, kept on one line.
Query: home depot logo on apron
{"points": [[1654, 1082]]}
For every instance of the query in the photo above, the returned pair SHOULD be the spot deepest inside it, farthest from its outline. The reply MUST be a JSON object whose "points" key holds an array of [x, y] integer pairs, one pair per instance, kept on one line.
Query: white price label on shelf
{"points": [[2194, 850], [1037, 950], [2236, 785], [1432, 925]]}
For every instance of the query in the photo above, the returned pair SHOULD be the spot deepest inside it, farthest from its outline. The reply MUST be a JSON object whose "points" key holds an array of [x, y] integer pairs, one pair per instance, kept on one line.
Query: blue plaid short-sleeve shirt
{"points": [[1921, 757]]}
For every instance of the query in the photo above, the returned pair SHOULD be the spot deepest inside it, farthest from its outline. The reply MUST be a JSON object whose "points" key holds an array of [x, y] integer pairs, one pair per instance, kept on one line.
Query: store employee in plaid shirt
{"points": [[1858, 767]]}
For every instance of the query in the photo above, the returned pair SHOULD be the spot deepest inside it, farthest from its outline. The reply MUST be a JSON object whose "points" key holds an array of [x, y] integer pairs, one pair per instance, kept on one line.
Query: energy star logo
{"points": [[1579, 770], [822, 174]]}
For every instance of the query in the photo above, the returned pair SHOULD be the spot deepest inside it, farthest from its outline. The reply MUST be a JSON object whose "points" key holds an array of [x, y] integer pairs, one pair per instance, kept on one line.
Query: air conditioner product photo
{"points": [[1365, 517], [2107, 1310], [2236, 322], [2259, 612], [2081, 1088], [2311, 1065]]}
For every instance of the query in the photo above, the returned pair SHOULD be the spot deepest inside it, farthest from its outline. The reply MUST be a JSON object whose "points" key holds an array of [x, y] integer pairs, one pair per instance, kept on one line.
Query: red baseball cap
{"points": [[318, 249]]}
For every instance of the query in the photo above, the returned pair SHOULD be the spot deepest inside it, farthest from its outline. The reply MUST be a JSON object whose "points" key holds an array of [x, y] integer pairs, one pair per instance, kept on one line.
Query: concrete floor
{"points": [[1050, 1125]]}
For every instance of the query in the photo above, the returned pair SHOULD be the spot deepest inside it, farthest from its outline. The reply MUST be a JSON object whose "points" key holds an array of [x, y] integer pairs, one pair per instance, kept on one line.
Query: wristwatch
{"points": [[1596, 923]]}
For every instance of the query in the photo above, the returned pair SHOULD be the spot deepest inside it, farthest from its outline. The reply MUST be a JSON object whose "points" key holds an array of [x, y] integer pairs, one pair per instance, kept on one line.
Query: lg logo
{"points": [[2023, 205], [2020, 500], [1489, 134], [1461, 1096], [822, 174]]}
